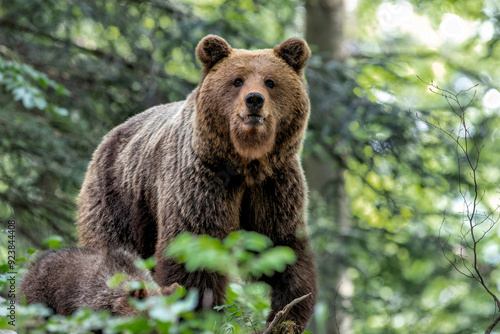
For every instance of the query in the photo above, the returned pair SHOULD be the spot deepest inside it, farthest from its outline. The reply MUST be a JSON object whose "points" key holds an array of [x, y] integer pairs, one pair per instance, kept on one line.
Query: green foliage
{"points": [[241, 253], [399, 176], [163, 316], [30, 165], [245, 310], [24, 83]]}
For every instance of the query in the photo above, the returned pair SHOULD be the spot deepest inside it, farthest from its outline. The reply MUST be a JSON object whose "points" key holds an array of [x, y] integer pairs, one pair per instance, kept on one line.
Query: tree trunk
{"points": [[324, 28], [324, 33]]}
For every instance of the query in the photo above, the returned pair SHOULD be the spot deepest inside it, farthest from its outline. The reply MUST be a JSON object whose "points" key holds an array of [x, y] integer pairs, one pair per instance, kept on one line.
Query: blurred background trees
{"points": [[380, 179]]}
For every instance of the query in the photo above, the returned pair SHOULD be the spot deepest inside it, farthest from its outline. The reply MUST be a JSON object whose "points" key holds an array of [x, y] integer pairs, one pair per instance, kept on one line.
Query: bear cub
{"points": [[69, 279]]}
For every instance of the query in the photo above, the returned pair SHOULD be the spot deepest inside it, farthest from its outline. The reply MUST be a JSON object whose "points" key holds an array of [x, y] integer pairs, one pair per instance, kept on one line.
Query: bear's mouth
{"points": [[253, 119]]}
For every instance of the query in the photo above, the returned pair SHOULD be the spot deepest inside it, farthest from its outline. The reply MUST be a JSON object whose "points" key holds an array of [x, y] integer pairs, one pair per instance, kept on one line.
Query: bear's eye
{"points": [[269, 83], [238, 82]]}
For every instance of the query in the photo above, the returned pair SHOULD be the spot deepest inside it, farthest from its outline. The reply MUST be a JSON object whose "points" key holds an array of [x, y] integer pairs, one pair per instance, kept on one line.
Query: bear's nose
{"points": [[254, 101]]}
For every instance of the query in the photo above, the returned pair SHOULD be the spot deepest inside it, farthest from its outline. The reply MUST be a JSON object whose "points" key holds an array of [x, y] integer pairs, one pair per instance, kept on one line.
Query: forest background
{"points": [[384, 184]]}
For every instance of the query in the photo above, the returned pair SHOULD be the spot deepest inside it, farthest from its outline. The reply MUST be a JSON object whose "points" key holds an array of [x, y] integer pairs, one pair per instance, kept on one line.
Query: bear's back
{"points": [[120, 187], [71, 278]]}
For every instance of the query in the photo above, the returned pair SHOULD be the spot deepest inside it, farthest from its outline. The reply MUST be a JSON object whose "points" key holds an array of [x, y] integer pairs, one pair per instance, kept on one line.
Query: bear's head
{"points": [[251, 103]]}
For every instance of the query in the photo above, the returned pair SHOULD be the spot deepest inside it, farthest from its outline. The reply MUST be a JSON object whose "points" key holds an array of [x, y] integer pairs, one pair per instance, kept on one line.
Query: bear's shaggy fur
{"points": [[159, 173], [72, 278]]}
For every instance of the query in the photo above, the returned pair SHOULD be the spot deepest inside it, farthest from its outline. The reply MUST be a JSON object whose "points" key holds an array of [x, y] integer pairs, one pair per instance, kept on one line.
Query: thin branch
{"points": [[66, 42], [106, 56], [281, 315], [469, 236]]}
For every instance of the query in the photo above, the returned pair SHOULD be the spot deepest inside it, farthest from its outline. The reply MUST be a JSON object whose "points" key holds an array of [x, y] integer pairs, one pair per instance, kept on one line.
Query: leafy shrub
{"points": [[241, 255]]}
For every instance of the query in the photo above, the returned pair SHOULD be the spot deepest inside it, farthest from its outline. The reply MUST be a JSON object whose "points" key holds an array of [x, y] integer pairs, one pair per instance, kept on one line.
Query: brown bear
{"points": [[224, 159], [72, 278]]}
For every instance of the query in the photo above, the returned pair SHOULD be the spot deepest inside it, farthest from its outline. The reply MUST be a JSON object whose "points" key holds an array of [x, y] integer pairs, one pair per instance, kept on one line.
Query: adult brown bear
{"points": [[163, 171]]}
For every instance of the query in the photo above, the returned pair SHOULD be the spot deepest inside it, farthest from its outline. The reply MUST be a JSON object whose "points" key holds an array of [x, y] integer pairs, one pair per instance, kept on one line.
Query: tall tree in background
{"points": [[376, 172], [324, 32]]}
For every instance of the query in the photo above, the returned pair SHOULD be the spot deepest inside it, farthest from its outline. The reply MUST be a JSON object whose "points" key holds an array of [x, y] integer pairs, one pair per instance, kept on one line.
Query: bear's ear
{"points": [[295, 52], [211, 49]]}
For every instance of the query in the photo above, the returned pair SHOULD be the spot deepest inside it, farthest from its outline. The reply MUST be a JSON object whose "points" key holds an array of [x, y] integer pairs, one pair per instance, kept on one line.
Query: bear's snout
{"points": [[254, 101]]}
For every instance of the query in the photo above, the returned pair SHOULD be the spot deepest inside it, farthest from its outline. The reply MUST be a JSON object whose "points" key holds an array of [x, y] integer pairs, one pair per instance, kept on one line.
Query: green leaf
{"points": [[43, 81], [210, 253], [256, 242], [133, 325], [146, 264], [4, 268], [272, 260], [116, 280], [53, 241], [221, 307]]}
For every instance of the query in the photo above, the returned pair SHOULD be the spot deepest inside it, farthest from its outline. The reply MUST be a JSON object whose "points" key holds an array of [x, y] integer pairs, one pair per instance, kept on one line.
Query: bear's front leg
{"points": [[296, 281], [276, 208]]}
